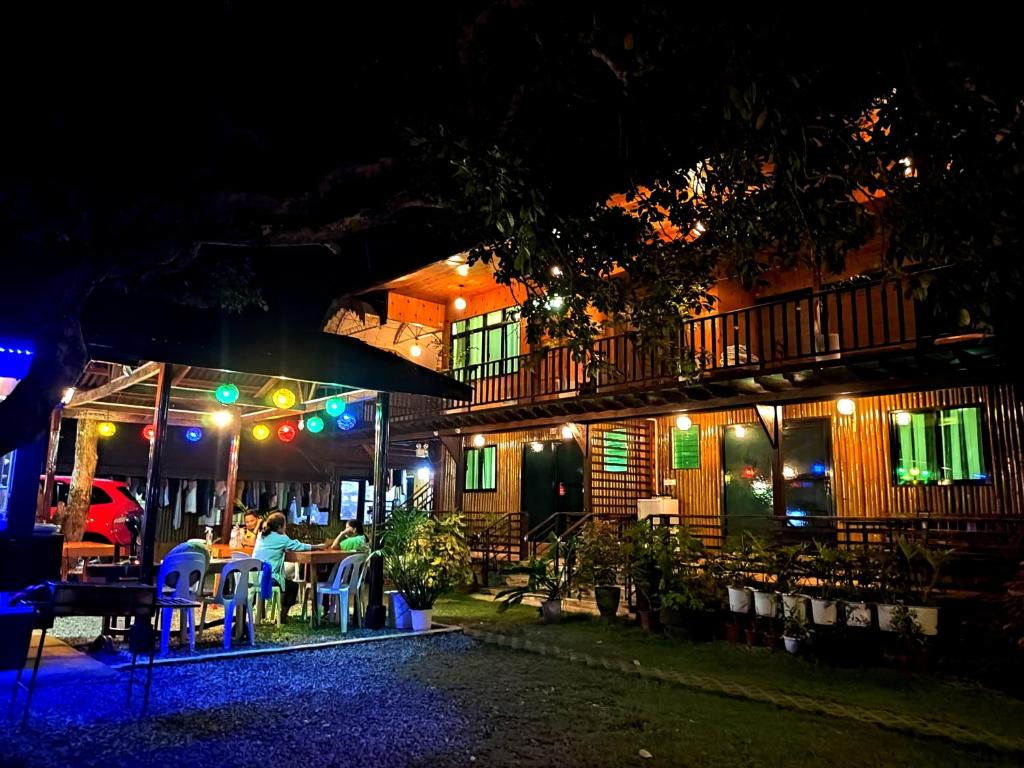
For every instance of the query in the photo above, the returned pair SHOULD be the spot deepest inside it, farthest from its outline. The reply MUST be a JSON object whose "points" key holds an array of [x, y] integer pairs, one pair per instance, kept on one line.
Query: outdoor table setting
{"points": [[312, 559]]}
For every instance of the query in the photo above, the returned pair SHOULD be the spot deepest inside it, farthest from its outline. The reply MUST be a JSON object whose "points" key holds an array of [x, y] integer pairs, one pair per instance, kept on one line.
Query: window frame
{"points": [[672, 447], [507, 363], [936, 411], [480, 470], [615, 467]]}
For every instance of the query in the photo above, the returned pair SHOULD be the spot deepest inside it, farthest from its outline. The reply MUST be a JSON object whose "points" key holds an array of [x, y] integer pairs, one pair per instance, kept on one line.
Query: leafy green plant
{"points": [[546, 575], [906, 626], [827, 565], [642, 552], [794, 624], [598, 554], [915, 570], [425, 556], [737, 563]]}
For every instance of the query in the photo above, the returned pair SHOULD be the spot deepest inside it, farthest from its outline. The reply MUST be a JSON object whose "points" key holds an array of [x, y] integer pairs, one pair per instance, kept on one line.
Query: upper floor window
{"points": [[938, 447], [486, 345]]}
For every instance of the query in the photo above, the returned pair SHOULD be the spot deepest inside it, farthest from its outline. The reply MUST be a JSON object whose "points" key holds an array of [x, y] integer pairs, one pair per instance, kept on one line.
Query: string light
{"points": [[286, 432], [193, 434], [227, 393], [346, 421], [302, 423], [334, 406], [284, 398], [106, 429], [315, 424], [149, 432], [222, 418], [684, 422], [260, 432]]}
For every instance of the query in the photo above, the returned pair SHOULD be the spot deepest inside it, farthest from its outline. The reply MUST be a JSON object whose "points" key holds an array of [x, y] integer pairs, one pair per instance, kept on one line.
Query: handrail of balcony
{"points": [[856, 318]]}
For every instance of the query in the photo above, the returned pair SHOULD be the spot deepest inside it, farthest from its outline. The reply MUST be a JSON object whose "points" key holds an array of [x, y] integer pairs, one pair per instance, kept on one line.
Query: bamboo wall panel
{"points": [[862, 470], [616, 493], [506, 497]]}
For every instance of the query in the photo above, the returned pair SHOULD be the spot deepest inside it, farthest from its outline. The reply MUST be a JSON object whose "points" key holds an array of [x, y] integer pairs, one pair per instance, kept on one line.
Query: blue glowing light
{"points": [[346, 421], [193, 434], [793, 512], [15, 359], [818, 468]]}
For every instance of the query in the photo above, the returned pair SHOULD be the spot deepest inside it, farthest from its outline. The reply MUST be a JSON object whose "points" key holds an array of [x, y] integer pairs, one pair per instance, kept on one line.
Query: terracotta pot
{"points": [[607, 598]]}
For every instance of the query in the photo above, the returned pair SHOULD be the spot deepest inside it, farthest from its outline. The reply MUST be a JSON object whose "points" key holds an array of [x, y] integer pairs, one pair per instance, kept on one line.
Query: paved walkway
{"points": [[60, 664]]}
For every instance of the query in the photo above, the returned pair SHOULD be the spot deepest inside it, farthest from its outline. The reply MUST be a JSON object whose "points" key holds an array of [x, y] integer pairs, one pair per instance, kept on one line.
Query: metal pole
{"points": [[152, 513], [375, 614]]}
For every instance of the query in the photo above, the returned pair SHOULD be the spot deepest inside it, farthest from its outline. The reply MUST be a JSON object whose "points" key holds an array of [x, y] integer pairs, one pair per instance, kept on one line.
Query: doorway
{"points": [[551, 480]]}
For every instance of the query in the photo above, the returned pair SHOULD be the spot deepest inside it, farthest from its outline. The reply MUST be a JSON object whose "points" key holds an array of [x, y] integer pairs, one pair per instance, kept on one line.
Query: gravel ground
{"points": [[347, 706]]}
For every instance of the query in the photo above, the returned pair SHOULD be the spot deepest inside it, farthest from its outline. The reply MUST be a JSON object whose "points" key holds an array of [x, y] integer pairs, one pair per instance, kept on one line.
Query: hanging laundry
{"points": [[204, 497], [188, 490]]}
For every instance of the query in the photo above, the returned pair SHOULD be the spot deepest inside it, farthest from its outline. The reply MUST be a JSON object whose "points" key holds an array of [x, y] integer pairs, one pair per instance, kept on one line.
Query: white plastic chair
{"points": [[188, 585], [233, 594], [347, 581], [306, 594]]}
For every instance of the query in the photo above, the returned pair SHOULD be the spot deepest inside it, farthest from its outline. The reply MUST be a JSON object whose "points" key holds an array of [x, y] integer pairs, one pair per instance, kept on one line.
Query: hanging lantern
{"points": [[283, 398], [334, 406], [227, 393], [315, 424], [346, 421], [106, 428], [286, 432], [684, 423], [149, 432], [260, 432], [193, 434]]}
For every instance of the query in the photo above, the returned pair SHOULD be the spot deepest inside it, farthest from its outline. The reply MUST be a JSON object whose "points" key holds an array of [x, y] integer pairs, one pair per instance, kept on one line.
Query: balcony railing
{"points": [[837, 323]]}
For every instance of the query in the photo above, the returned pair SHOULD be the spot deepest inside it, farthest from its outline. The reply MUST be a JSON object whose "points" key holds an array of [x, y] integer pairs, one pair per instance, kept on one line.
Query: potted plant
{"points": [[913, 571], [766, 562], [826, 567], [598, 558], [424, 557], [546, 576], [794, 632], [642, 548], [857, 577], [690, 599], [735, 567], [789, 570]]}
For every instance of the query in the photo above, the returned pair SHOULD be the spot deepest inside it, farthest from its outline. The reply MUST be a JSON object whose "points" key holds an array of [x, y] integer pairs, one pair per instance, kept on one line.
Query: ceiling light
{"points": [[478, 441], [415, 350], [683, 422], [462, 270], [903, 418], [536, 446], [846, 406], [460, 303]]}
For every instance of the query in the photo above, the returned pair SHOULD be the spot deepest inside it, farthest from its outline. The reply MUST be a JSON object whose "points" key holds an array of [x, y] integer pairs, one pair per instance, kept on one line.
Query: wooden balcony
{"points": [[839, 338]]}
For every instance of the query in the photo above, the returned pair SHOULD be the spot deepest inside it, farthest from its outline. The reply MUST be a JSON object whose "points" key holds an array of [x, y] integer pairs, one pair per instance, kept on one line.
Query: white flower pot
{"points": [[739, 599], [885, 617], [765, 604], [927, 618], [792, 644], [793, 606], [421, 620], [856, 614], [823, 611]]}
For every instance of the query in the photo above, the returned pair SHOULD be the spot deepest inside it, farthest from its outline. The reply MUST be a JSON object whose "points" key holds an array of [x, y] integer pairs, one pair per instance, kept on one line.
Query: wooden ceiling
{"points": [[441, 282]]}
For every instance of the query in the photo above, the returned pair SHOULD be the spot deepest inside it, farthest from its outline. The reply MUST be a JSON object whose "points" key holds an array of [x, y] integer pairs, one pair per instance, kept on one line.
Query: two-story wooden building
{"points": [[809, 411]]}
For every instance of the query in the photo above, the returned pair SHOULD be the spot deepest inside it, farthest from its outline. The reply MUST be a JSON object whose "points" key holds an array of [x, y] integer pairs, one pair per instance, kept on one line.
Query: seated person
{"points": [[270, 547], [352, 538], [251, 529]]}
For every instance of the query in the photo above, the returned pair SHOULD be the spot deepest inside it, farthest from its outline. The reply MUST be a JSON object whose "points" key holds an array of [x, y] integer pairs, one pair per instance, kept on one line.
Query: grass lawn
{"points": [[871, 688]]}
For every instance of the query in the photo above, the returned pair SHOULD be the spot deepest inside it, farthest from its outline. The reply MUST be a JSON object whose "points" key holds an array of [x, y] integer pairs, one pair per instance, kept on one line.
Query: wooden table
{"points": [[311, 559], [225, 550], [85, 549]]}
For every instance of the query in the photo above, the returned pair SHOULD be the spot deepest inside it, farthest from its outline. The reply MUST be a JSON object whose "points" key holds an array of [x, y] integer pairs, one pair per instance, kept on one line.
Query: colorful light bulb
{"points": [[286, 432], [315, 424], [106, 428], [346, 421], [334, 406], [193, 434], [260, 432], [226, 393], [283, 398], [149, 432]]}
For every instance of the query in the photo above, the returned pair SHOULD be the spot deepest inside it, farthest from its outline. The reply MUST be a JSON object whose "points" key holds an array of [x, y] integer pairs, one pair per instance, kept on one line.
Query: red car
{"points": [[114, 511]]}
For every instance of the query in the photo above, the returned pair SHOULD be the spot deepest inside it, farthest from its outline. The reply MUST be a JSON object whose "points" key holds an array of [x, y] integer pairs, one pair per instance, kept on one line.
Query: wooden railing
{"points": [[848, 321]]}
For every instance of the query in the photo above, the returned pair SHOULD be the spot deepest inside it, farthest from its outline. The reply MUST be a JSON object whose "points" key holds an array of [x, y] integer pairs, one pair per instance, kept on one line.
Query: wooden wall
{"points": [[616, 493], [862, 470]]}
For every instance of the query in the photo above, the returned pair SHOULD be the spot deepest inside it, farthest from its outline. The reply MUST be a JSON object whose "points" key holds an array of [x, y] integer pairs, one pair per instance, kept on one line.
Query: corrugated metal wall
{"points": [[862, 470]]}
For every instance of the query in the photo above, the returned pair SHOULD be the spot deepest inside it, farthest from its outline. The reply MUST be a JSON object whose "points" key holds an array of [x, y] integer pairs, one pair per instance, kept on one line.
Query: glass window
{"points": [[616, 450], [482, 468], [686, 447], [99, 496], [486, 345], [938, 447]]}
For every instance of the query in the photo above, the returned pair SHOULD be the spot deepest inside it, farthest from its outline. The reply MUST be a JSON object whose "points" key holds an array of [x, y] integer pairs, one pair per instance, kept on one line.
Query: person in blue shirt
{"points": [[270, 547]]}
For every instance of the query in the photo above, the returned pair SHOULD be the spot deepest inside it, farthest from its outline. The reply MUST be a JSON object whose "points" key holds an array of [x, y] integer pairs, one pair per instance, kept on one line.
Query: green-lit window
{"points": [[482, 468], [938, 447], [486, 345], [686, 447], [616, 451]]}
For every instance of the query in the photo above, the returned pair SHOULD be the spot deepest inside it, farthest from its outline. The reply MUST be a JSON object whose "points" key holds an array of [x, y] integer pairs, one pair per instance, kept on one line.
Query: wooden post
{"points": [[375, 614], [232, 482], [770, 417], [454, 447], [156, 446], [46, 491]]}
